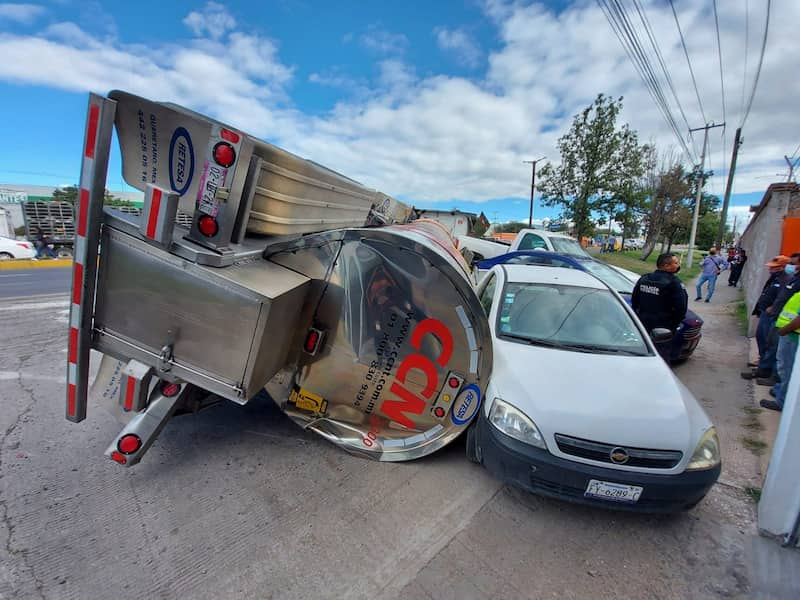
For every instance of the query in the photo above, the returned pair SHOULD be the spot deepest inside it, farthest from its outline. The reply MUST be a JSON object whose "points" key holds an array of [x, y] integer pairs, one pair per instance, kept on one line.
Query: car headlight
{"points": [[515, 423], [706, 455]]}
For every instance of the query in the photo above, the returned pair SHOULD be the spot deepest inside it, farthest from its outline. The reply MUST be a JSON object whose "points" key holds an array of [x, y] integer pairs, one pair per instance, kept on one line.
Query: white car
{"points": [[634, 243], [10, 249], [579, 405]]}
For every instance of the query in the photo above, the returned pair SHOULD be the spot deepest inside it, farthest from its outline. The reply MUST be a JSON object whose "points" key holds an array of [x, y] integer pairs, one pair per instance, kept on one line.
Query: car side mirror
{"points": [[660, 335]]}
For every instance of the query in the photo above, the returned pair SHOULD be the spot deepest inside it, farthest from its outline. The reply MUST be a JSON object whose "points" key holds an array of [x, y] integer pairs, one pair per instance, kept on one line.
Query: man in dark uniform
{"points": [[659, 298]]}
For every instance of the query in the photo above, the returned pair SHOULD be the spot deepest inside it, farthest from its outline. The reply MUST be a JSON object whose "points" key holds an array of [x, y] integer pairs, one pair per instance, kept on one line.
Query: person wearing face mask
{"points": [[790, 284], [788, 327], [766, 336], [659, 298]]}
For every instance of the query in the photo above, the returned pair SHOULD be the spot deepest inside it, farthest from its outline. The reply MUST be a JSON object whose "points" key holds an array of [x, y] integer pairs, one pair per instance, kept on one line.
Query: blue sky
{"points": [[436, 103]]}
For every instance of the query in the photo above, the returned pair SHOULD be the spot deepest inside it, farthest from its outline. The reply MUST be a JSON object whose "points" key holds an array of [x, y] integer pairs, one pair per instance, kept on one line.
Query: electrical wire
{"points": [[722, 88], [746, 50], [688, 62], [758, 69], [719, 50], [616, 15], [654, 43]]}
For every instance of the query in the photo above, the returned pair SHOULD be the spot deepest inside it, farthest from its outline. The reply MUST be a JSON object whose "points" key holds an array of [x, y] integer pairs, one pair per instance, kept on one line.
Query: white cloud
{"points": [[460, 44], [381, 41], [213, 20], [434, 137], [21, 13]]}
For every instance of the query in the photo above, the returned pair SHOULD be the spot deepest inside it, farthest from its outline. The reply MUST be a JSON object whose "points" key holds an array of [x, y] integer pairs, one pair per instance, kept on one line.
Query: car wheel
{"points": [[6, 256], [473, 451]]}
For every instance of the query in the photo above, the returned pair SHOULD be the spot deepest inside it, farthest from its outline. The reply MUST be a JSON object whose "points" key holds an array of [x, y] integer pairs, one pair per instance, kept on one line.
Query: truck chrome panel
{"points": [[214, 321]]}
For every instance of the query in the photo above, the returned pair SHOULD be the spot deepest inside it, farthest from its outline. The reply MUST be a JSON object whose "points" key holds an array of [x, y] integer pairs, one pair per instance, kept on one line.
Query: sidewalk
{"points": [[747, 433]]}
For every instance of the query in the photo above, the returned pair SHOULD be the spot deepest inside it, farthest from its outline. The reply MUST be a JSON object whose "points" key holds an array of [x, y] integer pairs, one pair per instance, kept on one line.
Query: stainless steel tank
{"points": [[406, 353]]}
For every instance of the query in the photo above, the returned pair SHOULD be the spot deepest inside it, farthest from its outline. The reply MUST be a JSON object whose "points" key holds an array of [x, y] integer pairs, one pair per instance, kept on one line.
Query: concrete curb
{"points": [[53, 263]]}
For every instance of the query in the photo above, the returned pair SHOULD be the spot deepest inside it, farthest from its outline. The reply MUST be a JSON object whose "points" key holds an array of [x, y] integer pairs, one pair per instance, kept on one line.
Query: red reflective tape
{"points": [[83, 212], [73, 345], [152, 219], [129, 393], [71, 399], [91, 130], [77, 283]]}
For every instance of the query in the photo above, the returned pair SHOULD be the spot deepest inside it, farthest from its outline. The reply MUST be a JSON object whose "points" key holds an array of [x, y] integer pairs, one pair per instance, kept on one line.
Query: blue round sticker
{"points": [[466, 405], [181, 161]]}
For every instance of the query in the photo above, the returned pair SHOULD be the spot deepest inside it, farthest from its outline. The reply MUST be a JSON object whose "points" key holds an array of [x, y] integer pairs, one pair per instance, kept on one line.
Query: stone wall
{"points": [[762, 237]]}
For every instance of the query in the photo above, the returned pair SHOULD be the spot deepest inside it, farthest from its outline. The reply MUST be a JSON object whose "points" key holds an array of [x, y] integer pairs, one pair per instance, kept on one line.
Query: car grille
{"points": [[601, 452], [692, 332]]}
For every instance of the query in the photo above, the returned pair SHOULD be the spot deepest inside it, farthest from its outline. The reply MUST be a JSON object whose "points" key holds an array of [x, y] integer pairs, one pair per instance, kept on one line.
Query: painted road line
{"points": [[55, 263], [35, 305]]}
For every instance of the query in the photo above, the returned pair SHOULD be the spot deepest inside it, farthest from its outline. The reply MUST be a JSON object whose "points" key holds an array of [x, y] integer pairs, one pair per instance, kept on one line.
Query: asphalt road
{"points": [[29, 282], [238, 502]]}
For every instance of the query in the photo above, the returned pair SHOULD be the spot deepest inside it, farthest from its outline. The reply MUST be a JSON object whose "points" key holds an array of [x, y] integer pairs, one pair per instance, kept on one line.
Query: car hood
{"points": [[623, 400]]}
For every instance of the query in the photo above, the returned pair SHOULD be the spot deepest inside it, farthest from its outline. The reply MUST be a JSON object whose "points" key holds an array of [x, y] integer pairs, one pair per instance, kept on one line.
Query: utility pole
{"points": [[792, 166], [533, 185], [737, 141], [699, 197]]}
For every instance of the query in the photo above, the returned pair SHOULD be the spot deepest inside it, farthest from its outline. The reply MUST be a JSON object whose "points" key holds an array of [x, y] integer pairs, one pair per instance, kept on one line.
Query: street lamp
{"points": [[533, 185]]}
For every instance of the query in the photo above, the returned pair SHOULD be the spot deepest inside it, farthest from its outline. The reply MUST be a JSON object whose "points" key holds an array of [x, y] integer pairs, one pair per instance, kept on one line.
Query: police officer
{"points": [[659, 298]]}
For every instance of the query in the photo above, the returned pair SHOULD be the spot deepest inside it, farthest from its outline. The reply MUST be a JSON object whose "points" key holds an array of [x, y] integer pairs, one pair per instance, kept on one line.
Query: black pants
{"points": [[736, 272]]}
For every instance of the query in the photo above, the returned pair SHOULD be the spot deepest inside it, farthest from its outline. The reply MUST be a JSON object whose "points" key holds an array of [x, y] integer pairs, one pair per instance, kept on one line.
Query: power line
{"points": [[795, 151], [616, 15], [721, 86], [758, 69], [688, 62], [746, 50], [719, 50], [660, 57]]}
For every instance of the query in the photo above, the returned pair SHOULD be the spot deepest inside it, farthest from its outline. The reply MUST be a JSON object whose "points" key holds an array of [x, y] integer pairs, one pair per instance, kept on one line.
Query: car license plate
{"points": [[617, 492]]}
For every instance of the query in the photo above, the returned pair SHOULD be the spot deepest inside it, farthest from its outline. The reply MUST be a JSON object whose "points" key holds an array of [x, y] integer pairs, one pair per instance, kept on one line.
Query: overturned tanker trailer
{"points": [[250, 268]]}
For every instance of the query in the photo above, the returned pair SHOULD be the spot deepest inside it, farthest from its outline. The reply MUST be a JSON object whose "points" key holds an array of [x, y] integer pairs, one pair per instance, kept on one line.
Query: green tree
{"points": [[70, 194], [666, 214], [66, 194], [594, 158]]}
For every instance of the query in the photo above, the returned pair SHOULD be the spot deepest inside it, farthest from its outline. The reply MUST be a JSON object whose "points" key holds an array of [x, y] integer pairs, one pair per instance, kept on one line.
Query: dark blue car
{"points": [[679, 348]]}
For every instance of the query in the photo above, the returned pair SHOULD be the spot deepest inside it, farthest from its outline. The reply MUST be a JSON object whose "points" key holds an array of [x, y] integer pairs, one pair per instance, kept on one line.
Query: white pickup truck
{"points": [[476, 249]]}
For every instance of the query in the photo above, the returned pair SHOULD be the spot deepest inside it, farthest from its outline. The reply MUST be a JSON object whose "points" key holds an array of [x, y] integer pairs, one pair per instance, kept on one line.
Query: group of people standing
{"points": [[778, 329], [714, 264]]}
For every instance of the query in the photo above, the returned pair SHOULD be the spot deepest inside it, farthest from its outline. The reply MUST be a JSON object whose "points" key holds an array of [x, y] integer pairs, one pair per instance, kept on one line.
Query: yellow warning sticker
{"points": [[308, 401]]}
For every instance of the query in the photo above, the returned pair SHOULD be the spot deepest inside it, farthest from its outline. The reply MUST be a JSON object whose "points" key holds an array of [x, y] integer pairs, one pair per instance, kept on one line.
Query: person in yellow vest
{"points": [[788, 325]]}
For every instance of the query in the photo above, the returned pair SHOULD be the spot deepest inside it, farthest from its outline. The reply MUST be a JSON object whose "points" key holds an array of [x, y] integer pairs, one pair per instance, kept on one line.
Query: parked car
{"points": [[477, 249], [579, 405], [686, 338], [10, 249], [634, 243]]}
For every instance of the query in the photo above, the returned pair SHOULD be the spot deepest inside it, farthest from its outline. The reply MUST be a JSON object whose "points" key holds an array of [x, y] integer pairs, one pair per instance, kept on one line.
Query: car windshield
{"points": [[608, 275], [568, 246], [568, 317]]}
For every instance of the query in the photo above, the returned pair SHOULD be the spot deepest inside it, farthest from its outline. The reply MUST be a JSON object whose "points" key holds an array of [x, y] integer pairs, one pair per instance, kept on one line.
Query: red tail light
{"points": [[117, 457], [24, 245], [170, 389], [224, 154], [128, 444], [208, 226], [230, 136]]}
